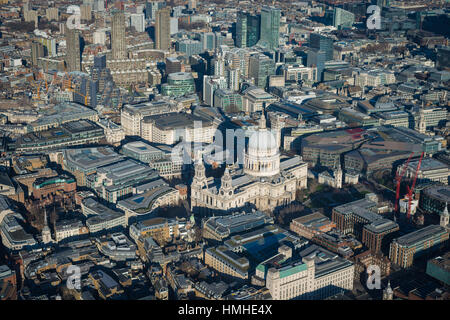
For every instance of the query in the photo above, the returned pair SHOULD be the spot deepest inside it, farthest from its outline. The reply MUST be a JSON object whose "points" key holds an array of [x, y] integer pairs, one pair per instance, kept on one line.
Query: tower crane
{"points": [[411, 190], [398, 178]]}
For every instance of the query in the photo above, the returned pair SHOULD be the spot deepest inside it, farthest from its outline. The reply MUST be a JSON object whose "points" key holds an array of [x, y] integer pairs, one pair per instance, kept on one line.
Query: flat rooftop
{"points": [[421, 235], [88, 158], [442, 193], [140, 147], [174, 120]]}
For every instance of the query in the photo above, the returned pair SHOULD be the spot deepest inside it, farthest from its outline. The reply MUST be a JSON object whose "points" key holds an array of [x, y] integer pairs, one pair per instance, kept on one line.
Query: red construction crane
{"points": [[410, 191], [398, 178]]}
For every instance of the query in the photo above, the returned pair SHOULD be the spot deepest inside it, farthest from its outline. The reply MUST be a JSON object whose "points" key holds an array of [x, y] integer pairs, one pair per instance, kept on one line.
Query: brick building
{"points": [[44, 186]]}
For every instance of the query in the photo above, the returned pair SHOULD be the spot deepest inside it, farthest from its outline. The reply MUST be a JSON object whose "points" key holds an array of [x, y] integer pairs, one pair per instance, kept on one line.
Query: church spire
{"points": [[445, 212], [445, 217], [262, 121]]}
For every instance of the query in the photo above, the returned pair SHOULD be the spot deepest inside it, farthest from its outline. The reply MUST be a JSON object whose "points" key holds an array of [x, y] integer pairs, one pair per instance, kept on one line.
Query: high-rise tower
{"points": [[241, 30], [162, 29], [73, 54], [270, 27], [118, 46]]}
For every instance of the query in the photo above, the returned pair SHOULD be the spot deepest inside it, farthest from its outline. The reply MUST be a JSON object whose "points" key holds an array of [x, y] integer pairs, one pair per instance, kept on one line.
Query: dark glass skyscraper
{"points": [[241, 30], [253, 26], [320, 42], [317, 58], [270, 27]]}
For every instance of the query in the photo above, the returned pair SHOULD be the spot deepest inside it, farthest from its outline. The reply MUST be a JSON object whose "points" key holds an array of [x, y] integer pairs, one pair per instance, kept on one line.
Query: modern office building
{"points": [[378, 234], [162, 29], [101, 218], [118, 43], [316, 59], [222, 227], [173, 65], [312, 224], [157, 158], [270, 27], [210, 85], [228, 100], [430, 170], [151, 7], [120, 180], [405, 249], [253, 29], [149, 199], [434, 198], [68, 134], [360, 219], [343, 19], [255, 98], [14, 237], [178, 84], [73, 54], [323, 43], [208, 40], [439, 268], [260, 68], [189, 47], [85, 161], [241, 29]]}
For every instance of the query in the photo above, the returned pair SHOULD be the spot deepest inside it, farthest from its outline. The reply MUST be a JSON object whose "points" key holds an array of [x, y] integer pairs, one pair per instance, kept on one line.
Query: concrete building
{"points": [[430, 170], [131, 115], [118, 43], [73, 54], [162, 29], [260, 68], [159, 159], [172, 127], [254, 99]]}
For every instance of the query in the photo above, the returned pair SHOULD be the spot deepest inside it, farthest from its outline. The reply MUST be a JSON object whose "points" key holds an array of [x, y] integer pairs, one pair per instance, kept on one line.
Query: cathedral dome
{"points": [[262, 158], [262, 143]]}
